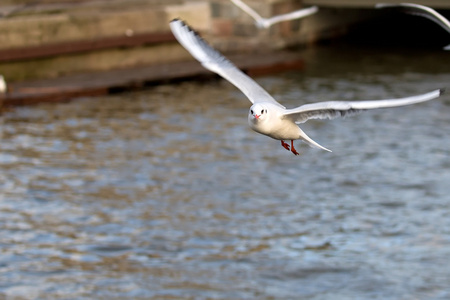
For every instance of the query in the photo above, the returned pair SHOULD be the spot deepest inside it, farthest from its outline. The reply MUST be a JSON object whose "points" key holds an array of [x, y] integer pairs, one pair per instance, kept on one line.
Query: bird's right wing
{"points": [[217, 63]]}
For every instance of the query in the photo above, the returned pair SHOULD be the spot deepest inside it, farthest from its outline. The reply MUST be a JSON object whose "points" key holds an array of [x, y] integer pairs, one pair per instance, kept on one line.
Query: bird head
{"points": [[257, 113]]}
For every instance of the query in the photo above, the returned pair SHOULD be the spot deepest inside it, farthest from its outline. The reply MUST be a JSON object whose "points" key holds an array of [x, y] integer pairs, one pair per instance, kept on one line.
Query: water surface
{"points": [[167, 194]]}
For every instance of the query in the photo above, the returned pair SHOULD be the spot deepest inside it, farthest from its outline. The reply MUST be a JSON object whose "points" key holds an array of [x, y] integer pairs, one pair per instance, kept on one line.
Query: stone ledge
{"points": [[67, 87]]}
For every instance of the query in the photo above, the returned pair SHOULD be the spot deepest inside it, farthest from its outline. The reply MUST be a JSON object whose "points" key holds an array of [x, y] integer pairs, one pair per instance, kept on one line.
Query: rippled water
{"points": [[167, 194]]}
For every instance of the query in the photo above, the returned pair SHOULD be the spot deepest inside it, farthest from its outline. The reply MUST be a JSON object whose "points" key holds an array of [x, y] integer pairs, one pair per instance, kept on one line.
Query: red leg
{"points": [[293, 149], [285, 145]]}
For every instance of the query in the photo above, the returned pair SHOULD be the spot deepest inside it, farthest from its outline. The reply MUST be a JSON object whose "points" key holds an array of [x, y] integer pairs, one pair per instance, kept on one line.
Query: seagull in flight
{"points": [[420, 10], [266, 23], [266, 115]]}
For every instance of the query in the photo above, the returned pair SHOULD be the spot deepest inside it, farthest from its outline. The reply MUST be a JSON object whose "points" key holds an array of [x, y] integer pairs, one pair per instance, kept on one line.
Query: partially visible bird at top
{"points": [[267, 22], [266, 115], [420, 10]]}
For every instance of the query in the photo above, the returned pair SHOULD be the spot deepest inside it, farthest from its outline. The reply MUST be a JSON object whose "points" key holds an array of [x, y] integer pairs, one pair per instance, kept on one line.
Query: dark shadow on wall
{"points": [[399, 29]]}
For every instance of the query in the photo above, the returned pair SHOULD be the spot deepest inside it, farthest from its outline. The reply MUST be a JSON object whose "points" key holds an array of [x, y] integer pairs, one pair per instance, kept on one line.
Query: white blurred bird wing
{"points": [[217, 63], [267, 22], [334, 109], [259, 20], [298, 14], [420, 10]]}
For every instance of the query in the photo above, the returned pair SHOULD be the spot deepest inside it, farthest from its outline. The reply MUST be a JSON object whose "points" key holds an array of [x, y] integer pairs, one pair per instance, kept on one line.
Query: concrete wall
{"points": [[32, 40], [62, 37]]}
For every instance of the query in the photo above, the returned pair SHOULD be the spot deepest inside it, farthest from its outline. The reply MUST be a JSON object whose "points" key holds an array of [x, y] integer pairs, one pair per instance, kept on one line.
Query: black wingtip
{"points": [[177, 20], [183, 23], [441, 91]]}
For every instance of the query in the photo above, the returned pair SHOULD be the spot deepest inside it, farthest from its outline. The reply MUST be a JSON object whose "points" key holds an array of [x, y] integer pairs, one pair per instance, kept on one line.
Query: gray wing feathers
{"points": [[322, 113], [334, 109], [217, 63]]}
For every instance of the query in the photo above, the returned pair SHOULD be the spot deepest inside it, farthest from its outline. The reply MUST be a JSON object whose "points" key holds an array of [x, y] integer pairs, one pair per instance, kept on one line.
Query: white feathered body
{"points": [[274, 125]]}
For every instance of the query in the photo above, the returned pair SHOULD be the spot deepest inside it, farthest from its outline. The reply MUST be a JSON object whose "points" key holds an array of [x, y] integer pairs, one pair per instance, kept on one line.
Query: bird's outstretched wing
{"points": [[267, 22], [334, 109], [420, 10], [298, 14], [217, 63]]}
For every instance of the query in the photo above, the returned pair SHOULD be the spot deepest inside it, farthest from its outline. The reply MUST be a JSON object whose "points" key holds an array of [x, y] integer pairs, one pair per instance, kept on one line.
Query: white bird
{"points": [[267, 22], [3, 86], [266, 115], [423, 11]]}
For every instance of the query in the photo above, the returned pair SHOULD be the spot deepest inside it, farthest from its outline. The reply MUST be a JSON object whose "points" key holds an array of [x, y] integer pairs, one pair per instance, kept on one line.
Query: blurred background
{"points": [[127, 171]]}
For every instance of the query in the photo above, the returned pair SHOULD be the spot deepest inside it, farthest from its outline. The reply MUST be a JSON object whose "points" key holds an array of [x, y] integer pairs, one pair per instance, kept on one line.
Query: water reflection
{"points": [[167, 193]]}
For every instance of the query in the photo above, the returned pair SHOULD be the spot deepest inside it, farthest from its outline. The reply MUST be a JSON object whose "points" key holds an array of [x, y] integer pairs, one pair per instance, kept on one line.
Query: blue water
{"points": [[167, 194]]}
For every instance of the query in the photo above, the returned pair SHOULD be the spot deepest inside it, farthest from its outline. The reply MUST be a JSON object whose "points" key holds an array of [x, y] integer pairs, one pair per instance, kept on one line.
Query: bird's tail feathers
{"points": [[311, 142]]}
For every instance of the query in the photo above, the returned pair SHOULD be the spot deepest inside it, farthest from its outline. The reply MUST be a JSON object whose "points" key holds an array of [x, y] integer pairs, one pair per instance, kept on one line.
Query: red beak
{"points": [[257, 116]]}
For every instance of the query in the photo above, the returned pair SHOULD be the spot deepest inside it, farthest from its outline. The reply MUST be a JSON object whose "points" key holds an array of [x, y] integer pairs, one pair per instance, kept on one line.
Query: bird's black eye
{"points": [[251, 111], [262, 111]]}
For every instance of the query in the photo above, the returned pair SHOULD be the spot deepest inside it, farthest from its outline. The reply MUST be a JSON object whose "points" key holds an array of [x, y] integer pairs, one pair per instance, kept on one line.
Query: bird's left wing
{"points": [[217, 63], [334, 109]]}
